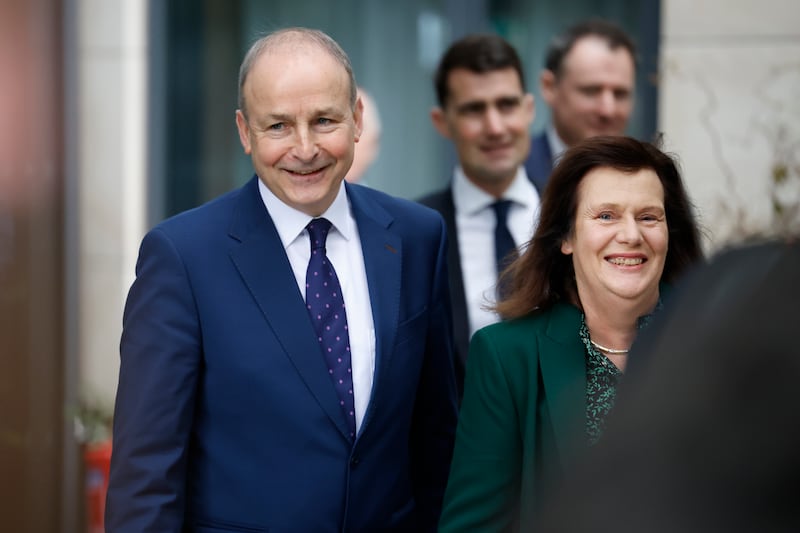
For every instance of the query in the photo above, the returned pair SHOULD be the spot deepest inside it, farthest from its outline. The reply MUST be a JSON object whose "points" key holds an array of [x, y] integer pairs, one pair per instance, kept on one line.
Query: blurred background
{"points": [[115, 114]]}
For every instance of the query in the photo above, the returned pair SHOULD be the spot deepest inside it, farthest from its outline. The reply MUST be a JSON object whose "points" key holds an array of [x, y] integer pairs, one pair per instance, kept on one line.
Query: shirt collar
{"points": [[468, 198], [557, 146], [291, 222]]}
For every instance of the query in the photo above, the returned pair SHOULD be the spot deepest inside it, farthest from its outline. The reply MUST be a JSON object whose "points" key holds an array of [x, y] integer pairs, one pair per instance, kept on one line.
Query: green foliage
{"points": [[91, 419]]}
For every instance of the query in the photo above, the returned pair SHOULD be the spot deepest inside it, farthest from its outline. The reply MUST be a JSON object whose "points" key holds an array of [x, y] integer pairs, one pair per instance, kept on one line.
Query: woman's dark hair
{"points": [[543, 275]]}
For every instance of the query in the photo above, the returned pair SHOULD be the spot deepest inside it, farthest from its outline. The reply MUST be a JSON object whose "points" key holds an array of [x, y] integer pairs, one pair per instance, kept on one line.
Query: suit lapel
{"points": [[457, 296], [443, 203], [262, 263], [563, 366], [540, 162], [383, 258]]}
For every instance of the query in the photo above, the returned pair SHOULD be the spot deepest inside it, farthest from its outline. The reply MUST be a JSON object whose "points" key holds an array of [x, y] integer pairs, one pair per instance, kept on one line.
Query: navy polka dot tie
{"points": [[325, 305]]}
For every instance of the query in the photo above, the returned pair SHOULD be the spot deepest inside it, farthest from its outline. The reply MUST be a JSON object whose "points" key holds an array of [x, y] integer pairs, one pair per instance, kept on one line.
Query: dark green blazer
{"points": [[523, 419]]}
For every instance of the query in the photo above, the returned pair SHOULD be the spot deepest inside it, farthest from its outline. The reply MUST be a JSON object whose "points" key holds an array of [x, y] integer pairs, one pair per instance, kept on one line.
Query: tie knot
{"points": [[318, 232], [501, 208]]}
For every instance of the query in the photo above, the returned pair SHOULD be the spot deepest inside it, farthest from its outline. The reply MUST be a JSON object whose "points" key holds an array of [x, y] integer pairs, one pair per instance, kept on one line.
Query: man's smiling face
{"points": [[299, 126]]}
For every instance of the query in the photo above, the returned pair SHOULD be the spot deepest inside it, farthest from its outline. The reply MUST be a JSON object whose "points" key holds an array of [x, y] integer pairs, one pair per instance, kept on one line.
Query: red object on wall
{"points": [[98, 462]]}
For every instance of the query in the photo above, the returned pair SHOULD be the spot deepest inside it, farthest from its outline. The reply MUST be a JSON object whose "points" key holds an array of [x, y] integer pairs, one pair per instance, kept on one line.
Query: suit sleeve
{"points": [[160, 355], [485, 476], [435, 409]]}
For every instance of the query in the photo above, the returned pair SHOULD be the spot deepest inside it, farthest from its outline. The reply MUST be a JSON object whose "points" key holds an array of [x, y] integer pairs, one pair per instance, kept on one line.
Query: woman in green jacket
{"points": [[615, 225]]}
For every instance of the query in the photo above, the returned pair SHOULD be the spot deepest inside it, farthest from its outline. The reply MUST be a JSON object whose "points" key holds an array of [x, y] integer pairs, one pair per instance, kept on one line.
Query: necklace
{"points": [[608, 350]]}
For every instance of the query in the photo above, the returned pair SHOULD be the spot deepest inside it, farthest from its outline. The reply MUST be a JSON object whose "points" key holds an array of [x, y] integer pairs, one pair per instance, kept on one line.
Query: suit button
{"points": [[353, 462]]}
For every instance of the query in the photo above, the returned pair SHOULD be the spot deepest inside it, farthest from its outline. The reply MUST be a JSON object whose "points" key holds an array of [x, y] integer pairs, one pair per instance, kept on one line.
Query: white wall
{"points": [[729, 107], [111, 161]]}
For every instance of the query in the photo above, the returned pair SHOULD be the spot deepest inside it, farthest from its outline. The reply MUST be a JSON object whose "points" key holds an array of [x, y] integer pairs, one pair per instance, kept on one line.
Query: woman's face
{"points": [[619, 242]]}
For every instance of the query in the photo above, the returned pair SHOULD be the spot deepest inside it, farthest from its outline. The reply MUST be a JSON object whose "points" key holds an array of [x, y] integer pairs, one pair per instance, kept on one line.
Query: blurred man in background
{"points": [[368, 146], [588, 82], [490, 205]]}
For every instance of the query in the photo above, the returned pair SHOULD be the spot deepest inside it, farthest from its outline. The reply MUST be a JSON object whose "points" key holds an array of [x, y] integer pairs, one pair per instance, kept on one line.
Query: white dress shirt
{"points": [[475, 222], [557, 146], [343, 248]]}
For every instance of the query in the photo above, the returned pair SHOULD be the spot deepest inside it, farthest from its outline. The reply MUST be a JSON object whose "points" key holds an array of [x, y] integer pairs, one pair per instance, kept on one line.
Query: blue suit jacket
{"points": [[226, 418], [540, 161]]}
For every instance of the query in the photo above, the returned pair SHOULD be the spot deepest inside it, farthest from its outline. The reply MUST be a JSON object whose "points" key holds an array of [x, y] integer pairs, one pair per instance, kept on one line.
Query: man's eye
{"points": [[472, 110], [622, 95], [605, 216], [507, 106], [276, 127], [322, 121]]}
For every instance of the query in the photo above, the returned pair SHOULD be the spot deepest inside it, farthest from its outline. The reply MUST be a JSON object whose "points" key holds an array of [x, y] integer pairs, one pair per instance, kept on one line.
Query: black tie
{"points": [[505, 251]]}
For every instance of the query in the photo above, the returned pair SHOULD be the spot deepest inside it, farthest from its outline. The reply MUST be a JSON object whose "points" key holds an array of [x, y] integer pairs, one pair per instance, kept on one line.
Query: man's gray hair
{"points": [[289, 35]]}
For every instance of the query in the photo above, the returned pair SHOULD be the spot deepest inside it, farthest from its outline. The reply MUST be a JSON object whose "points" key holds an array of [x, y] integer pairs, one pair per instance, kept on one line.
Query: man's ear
{"points": [[358, 118], [547, 84], [440, 122], [530, 107], [244, 131]]}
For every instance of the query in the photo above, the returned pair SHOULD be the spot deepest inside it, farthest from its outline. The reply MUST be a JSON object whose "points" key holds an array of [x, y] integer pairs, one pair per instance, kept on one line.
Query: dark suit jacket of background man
{"points": [[442, 201], [241, 428], [540, 161]]}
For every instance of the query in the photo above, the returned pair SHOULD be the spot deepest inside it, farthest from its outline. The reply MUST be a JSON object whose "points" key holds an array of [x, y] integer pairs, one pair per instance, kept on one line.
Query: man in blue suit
{"points": [[237, 410], [588, 82]]}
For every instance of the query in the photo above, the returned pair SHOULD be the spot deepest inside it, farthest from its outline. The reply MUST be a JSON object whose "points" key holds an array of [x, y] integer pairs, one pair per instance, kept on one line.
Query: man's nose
{"points": [[494, 121], [607, 104], [305, 146]]}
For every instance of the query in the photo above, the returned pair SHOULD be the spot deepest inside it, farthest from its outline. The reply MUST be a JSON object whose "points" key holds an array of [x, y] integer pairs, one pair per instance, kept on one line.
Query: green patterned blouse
{"points": [[602, 378]]}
